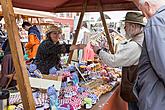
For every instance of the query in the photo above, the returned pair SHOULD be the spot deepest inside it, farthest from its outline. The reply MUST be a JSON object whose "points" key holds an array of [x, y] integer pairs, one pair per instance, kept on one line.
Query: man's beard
{"points": [[130, 33], [128, 36]]}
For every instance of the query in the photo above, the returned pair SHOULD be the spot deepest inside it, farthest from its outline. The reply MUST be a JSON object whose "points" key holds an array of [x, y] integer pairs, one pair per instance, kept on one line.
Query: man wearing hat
{"points": [[127, 56], [50, 50]]}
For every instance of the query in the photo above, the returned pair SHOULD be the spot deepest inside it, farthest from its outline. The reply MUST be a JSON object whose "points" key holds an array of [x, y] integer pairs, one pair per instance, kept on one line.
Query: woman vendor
{"points": [[50, 50]]}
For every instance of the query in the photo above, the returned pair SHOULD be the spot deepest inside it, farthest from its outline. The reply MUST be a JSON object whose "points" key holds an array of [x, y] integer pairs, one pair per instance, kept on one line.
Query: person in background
{"points": [[34, 38], [83, 38], [127, 56], [7, 65], [119, 29], [150, 84], [50, 50]]}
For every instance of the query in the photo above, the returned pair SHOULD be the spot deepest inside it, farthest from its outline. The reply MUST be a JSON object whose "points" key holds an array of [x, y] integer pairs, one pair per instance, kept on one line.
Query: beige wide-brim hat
{"points": [[54, 29], [134, 17]]}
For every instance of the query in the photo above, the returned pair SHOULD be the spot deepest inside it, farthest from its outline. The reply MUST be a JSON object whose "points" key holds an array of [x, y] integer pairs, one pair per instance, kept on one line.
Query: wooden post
{"points": [[105, 26], [17, 55], [31, 20], [38, 21], [78, 29]]}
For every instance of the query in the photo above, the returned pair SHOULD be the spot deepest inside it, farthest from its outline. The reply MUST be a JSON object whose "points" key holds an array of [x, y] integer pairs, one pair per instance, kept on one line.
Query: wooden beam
{"points": [[31, 20], [17, 55], [78, 29], [105, 26], [38, 21], [94, 8], [42, 24]]}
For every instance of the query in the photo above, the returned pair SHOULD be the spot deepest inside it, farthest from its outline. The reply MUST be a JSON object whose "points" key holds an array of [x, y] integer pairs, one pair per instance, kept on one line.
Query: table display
{"points": [[82, 87]]}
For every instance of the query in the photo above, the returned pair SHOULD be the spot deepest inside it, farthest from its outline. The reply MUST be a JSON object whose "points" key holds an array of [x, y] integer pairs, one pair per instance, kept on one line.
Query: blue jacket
{"points": [[150, 85], [34, 30]]}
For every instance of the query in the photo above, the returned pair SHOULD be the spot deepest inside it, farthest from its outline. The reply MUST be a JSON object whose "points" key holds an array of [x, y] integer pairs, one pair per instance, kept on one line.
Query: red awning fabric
{"points": [[73, 5]]}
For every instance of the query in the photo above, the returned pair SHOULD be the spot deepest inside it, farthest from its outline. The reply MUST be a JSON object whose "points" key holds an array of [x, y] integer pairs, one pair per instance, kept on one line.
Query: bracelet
{"points": [[98, 51]]}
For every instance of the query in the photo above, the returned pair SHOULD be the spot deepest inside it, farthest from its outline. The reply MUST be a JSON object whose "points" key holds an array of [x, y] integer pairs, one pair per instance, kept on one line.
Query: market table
{"points": [[111, 101]]}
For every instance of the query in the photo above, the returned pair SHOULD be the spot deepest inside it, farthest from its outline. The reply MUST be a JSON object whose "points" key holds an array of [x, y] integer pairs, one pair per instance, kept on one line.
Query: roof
{"points": [[31, 13], [73, 5]]}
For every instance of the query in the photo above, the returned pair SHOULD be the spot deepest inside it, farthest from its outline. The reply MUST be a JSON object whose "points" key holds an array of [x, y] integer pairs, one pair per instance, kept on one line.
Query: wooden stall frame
{"points": [[79, 26], [77, 30], [105, 26], [17, 54]]}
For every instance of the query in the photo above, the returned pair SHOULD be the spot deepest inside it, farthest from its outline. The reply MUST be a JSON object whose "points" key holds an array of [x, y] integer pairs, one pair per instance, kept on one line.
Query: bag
{"points": [[128, 79]]}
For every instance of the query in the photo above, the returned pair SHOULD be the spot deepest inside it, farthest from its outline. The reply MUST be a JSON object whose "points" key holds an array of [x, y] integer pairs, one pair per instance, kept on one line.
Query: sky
{"points": [[114, 15]]}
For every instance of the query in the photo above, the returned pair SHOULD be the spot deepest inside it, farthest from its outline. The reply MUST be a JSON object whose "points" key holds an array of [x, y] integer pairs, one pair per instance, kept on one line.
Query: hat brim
{"points": [[53, 31], [134, 22]]}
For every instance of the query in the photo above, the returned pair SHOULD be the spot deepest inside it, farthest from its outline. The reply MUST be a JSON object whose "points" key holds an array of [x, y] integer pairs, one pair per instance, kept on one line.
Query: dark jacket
{"points": [[48, 55], [6, 47]]}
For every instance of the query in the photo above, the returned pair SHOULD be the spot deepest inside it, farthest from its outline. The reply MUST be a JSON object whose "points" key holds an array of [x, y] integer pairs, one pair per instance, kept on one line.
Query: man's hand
{"points": [[95, 48]]}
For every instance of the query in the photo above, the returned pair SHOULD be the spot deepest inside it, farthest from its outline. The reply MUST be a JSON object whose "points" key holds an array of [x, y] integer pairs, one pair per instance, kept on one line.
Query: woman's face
{"points": [[55, 36]]}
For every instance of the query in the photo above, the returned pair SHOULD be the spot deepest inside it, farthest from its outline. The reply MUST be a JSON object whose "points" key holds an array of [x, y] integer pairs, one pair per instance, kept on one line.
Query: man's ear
{"points": [[148, 6]]}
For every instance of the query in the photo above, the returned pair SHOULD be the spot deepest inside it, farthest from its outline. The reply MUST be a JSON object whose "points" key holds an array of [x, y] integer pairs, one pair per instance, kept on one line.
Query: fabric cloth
{"points": [[81, 37], [127, 54], [88, 53], [48, 55], [132, 106], [33, 42], [150, 85]]}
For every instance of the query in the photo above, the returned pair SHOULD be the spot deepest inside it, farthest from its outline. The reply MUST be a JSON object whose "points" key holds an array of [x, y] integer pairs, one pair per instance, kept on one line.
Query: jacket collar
{"points": [[162, 8], [139, 38]]}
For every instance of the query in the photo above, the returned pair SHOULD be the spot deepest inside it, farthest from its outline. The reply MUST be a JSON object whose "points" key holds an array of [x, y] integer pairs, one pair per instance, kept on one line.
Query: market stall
{"points": [[59, 6], [87, 85]]}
